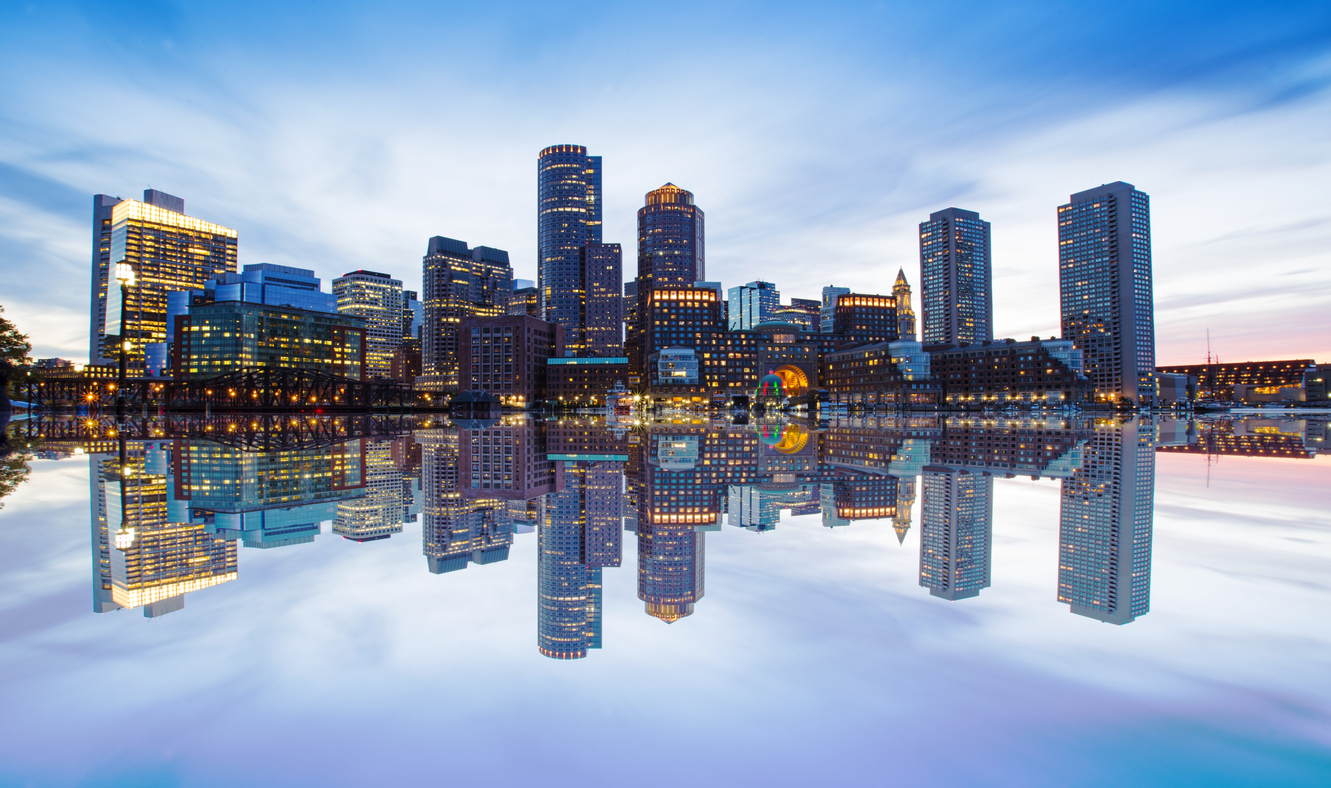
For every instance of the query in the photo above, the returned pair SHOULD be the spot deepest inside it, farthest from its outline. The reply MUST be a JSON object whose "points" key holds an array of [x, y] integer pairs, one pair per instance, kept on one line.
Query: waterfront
{"points": [[814, 655]]}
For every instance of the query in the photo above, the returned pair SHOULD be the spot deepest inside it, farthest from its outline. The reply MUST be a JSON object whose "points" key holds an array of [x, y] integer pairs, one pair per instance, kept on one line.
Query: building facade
{"points": [[956, 278], [458, 282], [752, 304], [378, 300], [167, 250], [226, 336], [956, 532], [506, 356], [583, 381], [1105, 289], [1041, 371], [861, 317], [602, 324], [905, 312]]}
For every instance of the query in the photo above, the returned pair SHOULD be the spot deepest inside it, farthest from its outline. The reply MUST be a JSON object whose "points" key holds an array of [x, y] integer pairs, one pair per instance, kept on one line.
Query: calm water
{"points": [[866, 602]]}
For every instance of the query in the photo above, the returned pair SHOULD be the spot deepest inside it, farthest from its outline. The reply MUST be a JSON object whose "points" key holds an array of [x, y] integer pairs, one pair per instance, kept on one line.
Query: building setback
{"points": [[956, 279], [1105, 289]]}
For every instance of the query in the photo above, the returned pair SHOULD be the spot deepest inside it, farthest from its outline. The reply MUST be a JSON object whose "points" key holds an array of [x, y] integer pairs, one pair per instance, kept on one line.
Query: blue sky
{"points": [[337, 136]]}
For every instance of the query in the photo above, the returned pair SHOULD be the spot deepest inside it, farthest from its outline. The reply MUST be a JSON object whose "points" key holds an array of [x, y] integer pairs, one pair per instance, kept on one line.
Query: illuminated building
{"points": [[603, 318], [378, 300], [1217, 381], [378, 514], [671, 254], [861, 317], [956, 278], [413, 314], [506, 356], [905, 500], [883, 374], [214, 339], [167, 250], [1028, 449], [956, 532], [752, 304], [1104, 534], [457, 530], [263, 283], [142, 557], [406, 363], [1105, 290], [800, 312], [905, 312], [458, 282], [568, 219], [568, 588], [583, 380], [525, 301], [506, 461], [1041, 371], [673, 498]]}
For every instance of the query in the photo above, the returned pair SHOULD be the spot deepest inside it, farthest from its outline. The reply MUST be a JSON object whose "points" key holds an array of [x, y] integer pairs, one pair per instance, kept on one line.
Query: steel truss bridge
{"points": [[251, 388]]}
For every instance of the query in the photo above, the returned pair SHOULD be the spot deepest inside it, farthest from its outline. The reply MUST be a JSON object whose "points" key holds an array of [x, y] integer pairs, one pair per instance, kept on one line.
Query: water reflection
{"points": [[171, 500]]}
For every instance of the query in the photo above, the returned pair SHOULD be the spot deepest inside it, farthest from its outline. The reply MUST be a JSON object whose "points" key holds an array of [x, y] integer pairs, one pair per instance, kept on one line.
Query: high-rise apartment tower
{"points": [[377, 298], [956, 278], [1105, 290]]}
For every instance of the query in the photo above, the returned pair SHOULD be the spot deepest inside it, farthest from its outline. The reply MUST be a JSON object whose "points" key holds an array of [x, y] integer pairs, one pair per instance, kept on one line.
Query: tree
{"points": [[14, 347], [14, 471]]}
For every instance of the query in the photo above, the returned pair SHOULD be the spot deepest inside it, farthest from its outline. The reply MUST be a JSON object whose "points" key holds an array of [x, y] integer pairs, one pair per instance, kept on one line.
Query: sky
{"points": [[339, 136]]}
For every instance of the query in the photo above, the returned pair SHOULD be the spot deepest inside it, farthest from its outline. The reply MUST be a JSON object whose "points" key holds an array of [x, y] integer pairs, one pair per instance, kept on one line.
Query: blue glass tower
{"points": [[568, 218]]}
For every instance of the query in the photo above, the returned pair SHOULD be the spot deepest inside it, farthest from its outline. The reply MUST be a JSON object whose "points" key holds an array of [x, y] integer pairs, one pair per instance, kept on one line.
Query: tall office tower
{"points": [[603, 317], [458, 282], [378, 299], [167, 251], [905, 313], [377, 514], [826, 315], [1104, 278], [752, 304], [568, 217], [671, 240], [603, 538], [956, 532], [448, 535], [569, 590], [956, 278], [1104, 531]]}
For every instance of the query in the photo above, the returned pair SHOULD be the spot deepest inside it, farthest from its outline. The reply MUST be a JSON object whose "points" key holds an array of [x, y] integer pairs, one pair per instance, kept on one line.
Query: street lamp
{"points": [[125, 276]]}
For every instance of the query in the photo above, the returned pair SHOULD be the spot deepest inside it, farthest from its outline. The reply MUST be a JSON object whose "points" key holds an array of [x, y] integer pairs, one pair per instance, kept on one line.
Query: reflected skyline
{"points": [[167, 517]]}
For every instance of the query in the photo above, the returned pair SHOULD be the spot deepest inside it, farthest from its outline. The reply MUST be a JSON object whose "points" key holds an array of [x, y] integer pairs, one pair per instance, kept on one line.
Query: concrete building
{"points": [[378, 300], [506, 356], [956, 278], [1105, 289]]}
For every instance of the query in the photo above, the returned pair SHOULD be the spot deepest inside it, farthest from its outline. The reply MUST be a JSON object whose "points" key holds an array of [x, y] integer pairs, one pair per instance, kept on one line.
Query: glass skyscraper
{"points": [[752, 304], [378, 299], [1105, 290], [168, 251], [956, 278], [568, 218]]}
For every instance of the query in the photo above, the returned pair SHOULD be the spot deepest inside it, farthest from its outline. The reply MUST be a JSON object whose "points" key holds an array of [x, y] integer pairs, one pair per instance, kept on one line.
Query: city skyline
{"points": [[1160, 124]]}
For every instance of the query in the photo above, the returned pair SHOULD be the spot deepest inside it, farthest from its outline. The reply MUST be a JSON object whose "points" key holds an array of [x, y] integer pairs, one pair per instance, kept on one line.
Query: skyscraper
{"points": [[568, 218], [457, 282], [378, 299], [956, 532], [671, 240], [1104, 277], [603, 316], [956, 279], [905, 313], [568, 587], [752, 304], [377, 514], [167, 250], [1104, 531]]}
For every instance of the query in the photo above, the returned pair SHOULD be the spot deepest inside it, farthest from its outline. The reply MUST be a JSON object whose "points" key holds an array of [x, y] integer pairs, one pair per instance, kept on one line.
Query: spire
{"points": [[901, 279], [901, 528]]}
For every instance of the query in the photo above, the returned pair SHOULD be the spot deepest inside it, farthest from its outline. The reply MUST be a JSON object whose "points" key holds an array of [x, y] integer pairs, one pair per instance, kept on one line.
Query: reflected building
{"points": [[1105, 532], [457, 529], [905, 500], [956, 532], [141, 557], [568, 584], [378, 514]]}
